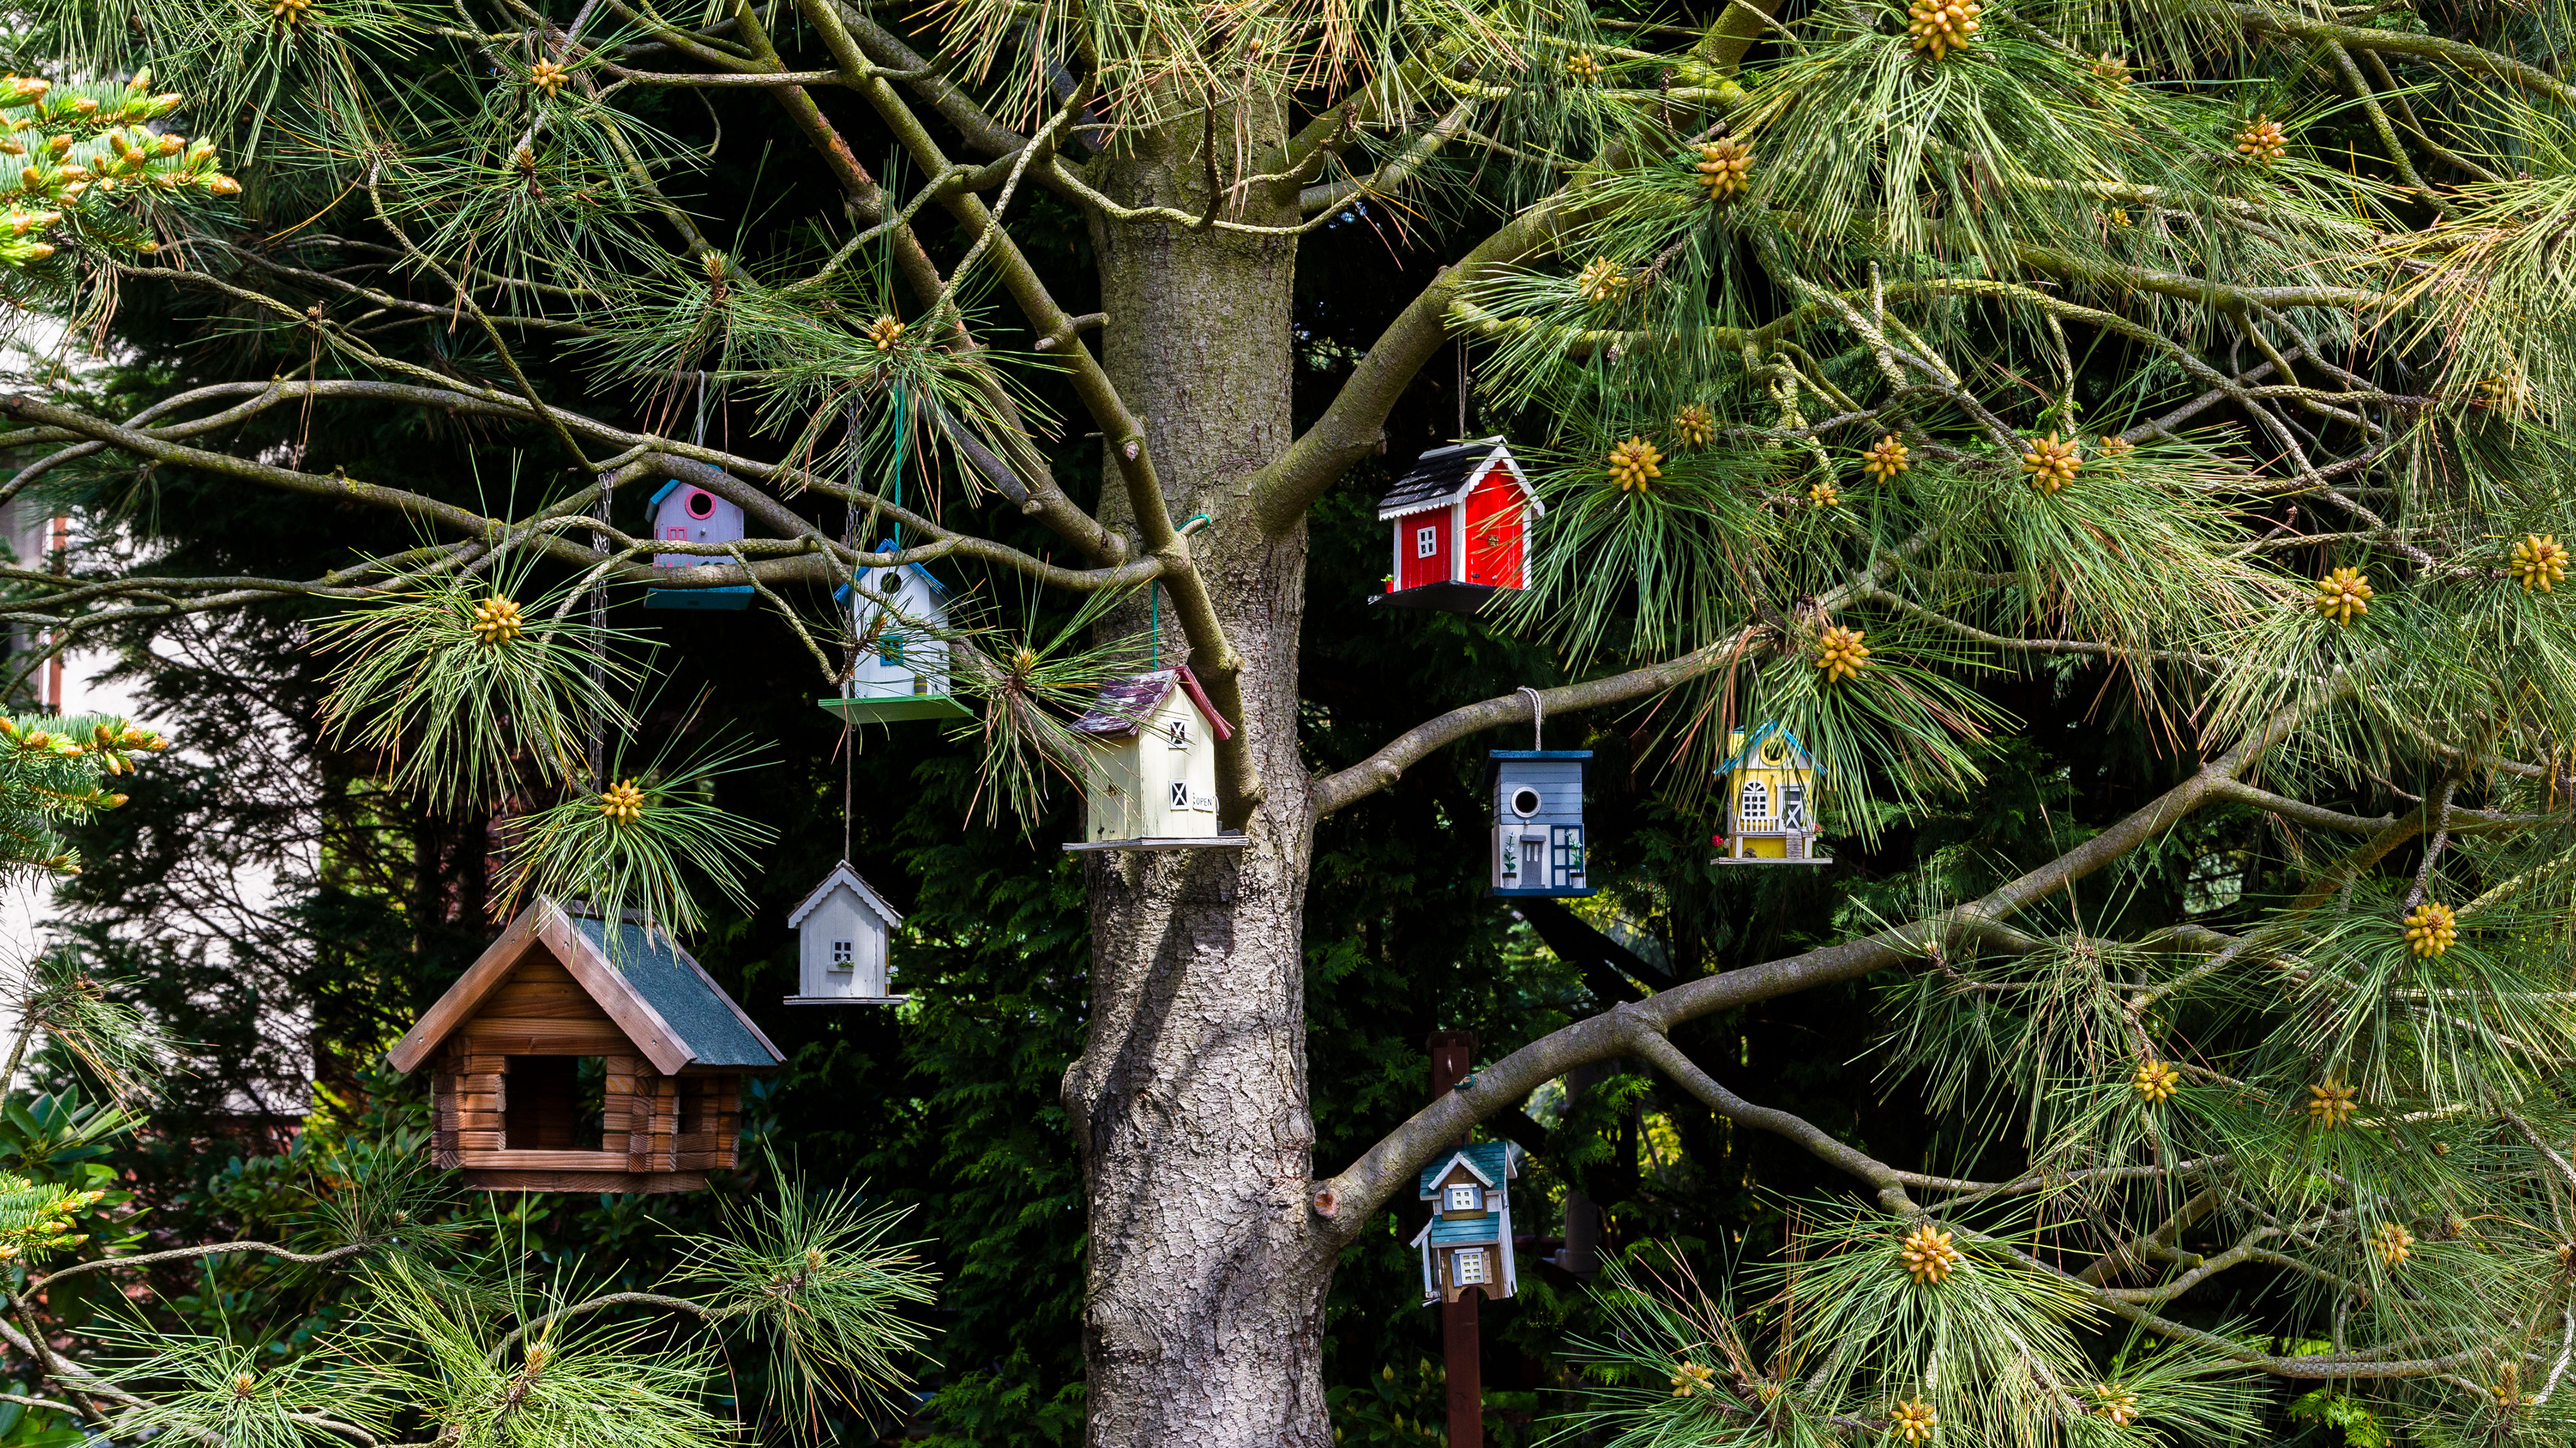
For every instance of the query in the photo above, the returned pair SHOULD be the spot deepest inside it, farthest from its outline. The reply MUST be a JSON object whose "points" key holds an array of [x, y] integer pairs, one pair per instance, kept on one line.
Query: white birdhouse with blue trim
{"points": [[1467, 1244], [1770, 792], [687, 513], [841, 934], [899, 616], [1538, 822], [1150, 783]]}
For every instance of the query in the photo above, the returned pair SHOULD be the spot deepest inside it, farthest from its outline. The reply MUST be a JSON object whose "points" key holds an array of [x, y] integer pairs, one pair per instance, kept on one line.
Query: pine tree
{"points": [[1866, 358]]}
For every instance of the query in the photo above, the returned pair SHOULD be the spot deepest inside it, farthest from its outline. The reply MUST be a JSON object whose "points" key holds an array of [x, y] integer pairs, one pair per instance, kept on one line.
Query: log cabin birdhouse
{"points": [[841, 933], [1538, 822], [1461, 522], [1468, 1241], [580, 1056], [1150, 783], [687, 513], [899, 616], [1770, 800]]}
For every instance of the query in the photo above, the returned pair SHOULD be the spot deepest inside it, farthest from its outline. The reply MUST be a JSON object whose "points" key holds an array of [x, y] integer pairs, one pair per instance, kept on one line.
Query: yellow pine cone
{"points": [[2393, 1242], [2342, 594], [1693, 1378], [1581, 66], [1601, 280], [623, 803], [885, 332], [290, 12], [547, 76], [2156, 1081], [1886, 458], [2119, 216], [2051, 462], [2331, 1104], [2430, 928], [1840, 653], [2511, 392], [2262, 142], [1725, 166], [1634, 464], [2539, 562], [497, 621], [2113, 445], [1941, 26], [1913, 1421], [1823, 495], [2112, 68], [1928, 1255], [2116, 1403], [1694, 426]]}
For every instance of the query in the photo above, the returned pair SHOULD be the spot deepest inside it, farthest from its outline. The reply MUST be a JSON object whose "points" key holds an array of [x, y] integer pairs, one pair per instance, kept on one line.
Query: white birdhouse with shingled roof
{"points": [[1467, 1244], [1150, 783], [842, 930]]}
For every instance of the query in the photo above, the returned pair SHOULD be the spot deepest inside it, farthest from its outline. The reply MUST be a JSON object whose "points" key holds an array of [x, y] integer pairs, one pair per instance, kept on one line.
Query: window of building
{"points": [[890, 652], [843, 954], [1426, 542], [1467, 1267], [552, 1103], [1756, 804], [1793, 805], [1180, 794], [1467, 1198], [1180, 734]]}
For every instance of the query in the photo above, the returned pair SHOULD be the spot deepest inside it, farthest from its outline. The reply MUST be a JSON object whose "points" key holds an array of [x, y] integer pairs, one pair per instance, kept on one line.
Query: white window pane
{"points": [[1467, 1267]]}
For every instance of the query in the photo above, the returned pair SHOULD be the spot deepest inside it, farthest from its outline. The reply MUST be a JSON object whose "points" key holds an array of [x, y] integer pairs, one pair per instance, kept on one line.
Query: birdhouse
{"points": [[841, 932], [899, 616], [1461, 521], [578, 1055], [1538, 821], [687, 513], [1150, 783], [1770, 798], [1468, 1241]]}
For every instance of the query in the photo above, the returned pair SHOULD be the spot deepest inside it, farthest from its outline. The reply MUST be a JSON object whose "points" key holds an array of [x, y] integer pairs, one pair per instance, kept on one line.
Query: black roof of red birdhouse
{"points": [[1446, 474], [1123, 705]]}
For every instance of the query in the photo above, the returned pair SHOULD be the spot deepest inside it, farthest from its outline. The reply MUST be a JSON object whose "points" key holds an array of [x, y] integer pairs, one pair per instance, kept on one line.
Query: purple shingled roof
{"points": [[1124, 705]]}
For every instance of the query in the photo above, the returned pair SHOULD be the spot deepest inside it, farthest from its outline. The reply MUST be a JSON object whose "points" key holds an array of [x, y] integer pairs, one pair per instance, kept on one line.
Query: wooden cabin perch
{"points": [[571, 1060]]}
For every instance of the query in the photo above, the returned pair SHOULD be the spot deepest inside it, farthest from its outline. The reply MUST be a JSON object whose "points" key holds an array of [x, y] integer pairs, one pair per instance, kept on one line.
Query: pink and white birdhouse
{"points": [[687, 513], [1461, 520]]}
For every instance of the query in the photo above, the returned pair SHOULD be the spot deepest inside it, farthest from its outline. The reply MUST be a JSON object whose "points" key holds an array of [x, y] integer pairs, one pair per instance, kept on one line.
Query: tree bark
{"points": [[1207, 1271]]}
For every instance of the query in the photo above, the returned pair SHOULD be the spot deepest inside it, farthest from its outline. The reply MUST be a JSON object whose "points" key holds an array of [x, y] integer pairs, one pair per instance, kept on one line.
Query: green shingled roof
{"points": [[1467, 1231], [1493, 1158], [680, 993]]}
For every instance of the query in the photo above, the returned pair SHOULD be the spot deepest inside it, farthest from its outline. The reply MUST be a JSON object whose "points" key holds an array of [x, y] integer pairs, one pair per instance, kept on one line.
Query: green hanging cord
{"points": [[1154, 603]]}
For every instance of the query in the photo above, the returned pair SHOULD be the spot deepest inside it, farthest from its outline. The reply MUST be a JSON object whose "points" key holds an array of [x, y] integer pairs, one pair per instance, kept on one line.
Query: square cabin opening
{"points": [[554, 1103]]}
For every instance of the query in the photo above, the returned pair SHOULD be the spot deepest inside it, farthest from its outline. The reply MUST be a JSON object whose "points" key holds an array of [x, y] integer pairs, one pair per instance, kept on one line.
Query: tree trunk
{"points": [[1206, 1294]]}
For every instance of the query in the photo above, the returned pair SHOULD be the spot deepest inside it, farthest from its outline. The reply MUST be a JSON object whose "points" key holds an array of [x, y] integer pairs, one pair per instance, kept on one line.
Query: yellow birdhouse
{"points": [[1770, 801]]}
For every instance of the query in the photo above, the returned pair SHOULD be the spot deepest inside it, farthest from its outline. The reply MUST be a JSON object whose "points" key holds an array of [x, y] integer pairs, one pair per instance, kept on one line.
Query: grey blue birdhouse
{"points": [[687, 513], [899, 616], [1538, 822], [1467, 1244], [841, 933]]}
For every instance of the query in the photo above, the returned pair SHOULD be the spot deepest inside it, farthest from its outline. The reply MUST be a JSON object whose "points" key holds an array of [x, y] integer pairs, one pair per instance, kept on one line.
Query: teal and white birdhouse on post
{"points": [[1538, 822], [687, 513], [1468, 1241], [899, 615]]}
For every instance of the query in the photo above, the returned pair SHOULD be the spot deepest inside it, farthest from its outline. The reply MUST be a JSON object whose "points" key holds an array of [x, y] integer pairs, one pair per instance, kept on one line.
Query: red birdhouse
{"points": [[1462, 528]]}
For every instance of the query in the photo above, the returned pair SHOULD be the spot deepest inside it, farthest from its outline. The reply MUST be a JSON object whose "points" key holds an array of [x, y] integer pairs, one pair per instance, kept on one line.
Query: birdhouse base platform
{"points": [[1165, 842], [731, 599], [897, 707], [1759, 860], [1545, 894], [609, 1183], [844, 1000], [1446, 597]]}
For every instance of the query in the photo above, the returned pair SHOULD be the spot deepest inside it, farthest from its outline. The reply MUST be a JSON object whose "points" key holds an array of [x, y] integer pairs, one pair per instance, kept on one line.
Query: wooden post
{"points": [[1453, 1056]]}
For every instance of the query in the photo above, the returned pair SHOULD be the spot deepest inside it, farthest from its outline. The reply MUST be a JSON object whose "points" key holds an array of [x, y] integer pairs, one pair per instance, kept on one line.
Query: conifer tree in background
{"points": [[1864, 356]]}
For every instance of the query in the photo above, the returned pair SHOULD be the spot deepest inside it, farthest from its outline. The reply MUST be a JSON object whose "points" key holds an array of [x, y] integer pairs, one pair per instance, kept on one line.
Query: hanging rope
{"points": [[1538, 717]]}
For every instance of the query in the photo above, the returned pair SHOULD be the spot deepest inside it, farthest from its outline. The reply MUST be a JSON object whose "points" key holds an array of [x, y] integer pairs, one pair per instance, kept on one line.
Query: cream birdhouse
{"points": [[1468, 1241], [1770, 799], [841, 934], [1150, 783]]}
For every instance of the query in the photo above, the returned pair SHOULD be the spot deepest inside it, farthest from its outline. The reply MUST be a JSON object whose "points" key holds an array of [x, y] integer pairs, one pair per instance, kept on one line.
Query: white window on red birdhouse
{"points": [[1467, 1268], [842, 955], [1466, 1198], [1756, 804], [1426, 542]]}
